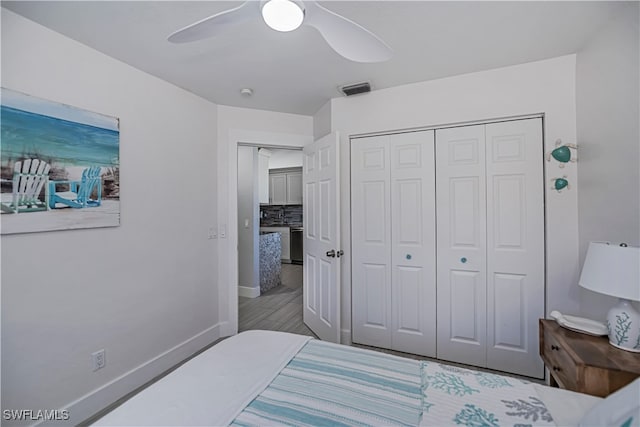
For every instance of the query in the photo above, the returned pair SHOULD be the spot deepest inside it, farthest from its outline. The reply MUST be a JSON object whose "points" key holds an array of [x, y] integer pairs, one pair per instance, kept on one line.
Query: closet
{"points": [[393, 241], [476, 290]]}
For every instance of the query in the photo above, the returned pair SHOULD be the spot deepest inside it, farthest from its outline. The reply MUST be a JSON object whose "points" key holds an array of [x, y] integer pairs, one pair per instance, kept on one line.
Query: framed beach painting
{"points": [[59, 166]]}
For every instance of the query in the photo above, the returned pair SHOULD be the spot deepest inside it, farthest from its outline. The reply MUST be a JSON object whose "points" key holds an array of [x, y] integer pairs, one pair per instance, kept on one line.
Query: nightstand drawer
{"points": [[585, 363], [559, 362]]}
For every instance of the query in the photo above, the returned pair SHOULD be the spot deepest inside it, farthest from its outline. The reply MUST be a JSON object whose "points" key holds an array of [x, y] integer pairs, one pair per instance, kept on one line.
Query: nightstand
{"points": [[584, 363]]}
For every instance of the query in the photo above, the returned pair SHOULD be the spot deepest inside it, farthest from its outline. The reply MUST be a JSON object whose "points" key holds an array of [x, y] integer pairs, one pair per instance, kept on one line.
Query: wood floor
{"points": [[278, 309]]}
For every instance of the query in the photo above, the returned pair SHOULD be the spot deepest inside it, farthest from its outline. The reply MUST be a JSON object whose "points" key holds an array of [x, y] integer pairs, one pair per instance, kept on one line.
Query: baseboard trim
{"points": [[248, 292], [99, 399], [345, 336]]}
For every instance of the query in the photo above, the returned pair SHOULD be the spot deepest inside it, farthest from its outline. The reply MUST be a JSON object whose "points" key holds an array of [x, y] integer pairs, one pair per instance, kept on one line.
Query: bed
{"points": [[276, 378]]}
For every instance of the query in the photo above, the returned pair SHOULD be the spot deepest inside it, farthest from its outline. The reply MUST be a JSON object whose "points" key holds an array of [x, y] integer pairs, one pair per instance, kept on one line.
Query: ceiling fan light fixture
{"points": [[282, 15]]}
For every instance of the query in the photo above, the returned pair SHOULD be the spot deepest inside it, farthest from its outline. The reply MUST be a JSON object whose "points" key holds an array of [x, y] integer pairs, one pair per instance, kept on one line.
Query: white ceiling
{"points": [[298, 72]]}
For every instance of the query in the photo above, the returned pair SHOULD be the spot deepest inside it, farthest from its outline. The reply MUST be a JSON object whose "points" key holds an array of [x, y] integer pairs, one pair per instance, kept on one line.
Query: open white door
{"points": [[322, 255]]}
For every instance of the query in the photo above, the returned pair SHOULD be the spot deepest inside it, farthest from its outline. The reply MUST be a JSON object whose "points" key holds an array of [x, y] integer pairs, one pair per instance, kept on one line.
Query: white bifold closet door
{"points": [[393, 242], [462, 261], [490, 210]]}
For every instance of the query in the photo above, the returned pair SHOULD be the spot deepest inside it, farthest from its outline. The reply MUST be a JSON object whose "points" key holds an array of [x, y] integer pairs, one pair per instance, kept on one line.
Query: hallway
{"points": [[278, 309]]}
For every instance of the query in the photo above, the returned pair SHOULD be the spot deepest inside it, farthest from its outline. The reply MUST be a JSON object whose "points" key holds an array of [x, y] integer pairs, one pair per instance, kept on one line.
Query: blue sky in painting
{"points": [[23, 102]]}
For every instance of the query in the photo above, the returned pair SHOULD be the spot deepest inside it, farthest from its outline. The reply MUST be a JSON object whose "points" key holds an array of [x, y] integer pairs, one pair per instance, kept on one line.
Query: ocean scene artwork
{"points": [[59, 166]]}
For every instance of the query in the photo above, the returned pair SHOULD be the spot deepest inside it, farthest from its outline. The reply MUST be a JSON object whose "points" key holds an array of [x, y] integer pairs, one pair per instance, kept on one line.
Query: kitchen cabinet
{"points": [[285, 186], [294, 188], [277, 189], [263, 176]]}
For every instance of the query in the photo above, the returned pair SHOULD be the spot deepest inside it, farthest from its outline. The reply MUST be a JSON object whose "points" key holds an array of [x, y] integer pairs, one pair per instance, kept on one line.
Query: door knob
{"points": [[463, 260], [331, 253]]}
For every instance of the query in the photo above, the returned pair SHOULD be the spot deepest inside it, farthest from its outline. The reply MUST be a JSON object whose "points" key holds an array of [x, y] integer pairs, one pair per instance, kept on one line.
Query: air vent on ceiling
{"points": [[355, 89]]}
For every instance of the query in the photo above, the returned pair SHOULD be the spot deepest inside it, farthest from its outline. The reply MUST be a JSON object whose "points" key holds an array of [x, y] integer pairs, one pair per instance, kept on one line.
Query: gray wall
{"points": [[248, 274], [322, 121], [145, 291], [607, 86], [285, 158]]}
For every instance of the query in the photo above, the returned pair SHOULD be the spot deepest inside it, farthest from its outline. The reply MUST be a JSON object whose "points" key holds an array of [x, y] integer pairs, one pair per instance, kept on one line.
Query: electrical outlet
{"points": [[98, 360]]}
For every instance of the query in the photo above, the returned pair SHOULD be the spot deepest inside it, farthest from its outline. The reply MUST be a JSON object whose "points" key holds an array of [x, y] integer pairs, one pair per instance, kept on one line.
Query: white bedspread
{"points": [[566, 407], [214, 387]]}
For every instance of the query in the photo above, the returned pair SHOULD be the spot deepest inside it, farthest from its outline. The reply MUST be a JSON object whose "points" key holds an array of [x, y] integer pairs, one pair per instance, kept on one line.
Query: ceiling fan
{"points": [[347, 38]]}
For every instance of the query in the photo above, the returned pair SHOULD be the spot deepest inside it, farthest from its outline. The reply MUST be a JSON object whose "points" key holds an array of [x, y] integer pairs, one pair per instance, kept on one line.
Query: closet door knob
{"points": [[331, 253], [463, 260], [408, 256]]}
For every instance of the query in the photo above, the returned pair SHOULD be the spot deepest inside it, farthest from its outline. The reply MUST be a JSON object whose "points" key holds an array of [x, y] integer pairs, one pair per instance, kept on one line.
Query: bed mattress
{"points": [[276, 378]]}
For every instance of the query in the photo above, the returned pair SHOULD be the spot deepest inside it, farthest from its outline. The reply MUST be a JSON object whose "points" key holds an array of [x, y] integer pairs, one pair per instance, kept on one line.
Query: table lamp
{"points": [[615, 270]]}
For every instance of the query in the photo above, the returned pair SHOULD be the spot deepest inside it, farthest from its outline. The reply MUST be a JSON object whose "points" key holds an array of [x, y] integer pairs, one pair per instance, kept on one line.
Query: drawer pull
{"points": [[554, 347], [556, 369]]}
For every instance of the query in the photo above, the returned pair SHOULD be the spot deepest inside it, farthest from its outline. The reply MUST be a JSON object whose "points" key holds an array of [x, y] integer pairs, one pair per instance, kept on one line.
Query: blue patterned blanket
{"points": [[457, 396], [334, 385]]}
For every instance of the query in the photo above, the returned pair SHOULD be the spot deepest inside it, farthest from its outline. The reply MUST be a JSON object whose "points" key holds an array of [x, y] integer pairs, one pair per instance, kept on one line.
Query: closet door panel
{"points": [[374, 295], [509, 319], [371, 241], [413, 288], [515, 245], [461, 244], [463, 297]]}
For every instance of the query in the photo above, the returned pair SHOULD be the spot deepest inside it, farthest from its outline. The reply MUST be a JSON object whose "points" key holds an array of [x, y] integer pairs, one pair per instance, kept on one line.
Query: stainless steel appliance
{"points": [[297, 253]]}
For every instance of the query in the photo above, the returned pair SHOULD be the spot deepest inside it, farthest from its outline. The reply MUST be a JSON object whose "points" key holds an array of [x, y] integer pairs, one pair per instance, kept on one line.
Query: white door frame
{"points": [[228, 295]]}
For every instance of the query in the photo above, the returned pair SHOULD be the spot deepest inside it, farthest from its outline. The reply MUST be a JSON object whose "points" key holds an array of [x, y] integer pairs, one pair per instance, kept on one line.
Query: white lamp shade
{"points": [[612, 270]]}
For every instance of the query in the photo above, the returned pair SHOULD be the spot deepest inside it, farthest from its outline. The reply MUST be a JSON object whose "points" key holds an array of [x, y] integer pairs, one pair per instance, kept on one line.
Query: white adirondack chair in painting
{"points": [[29, 178]]}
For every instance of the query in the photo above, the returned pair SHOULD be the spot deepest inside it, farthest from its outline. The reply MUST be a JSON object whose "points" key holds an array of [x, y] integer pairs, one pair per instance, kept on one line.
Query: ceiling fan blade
{"points": [[216, 24], [349, 39]]}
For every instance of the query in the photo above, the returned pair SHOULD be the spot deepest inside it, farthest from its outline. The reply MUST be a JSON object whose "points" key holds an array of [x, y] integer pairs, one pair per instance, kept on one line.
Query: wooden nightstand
{"points": [[585, 363]]}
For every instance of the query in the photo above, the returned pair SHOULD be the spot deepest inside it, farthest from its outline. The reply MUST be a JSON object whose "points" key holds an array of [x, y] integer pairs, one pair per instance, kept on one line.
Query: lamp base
{"points": [[623, 322]]}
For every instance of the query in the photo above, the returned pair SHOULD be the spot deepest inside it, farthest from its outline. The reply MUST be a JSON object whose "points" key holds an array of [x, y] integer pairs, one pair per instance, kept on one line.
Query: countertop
{"points": [[270, 249]]}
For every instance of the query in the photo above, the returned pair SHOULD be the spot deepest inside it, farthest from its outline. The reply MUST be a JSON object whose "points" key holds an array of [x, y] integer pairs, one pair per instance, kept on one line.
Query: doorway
{"points": [[270, 220]]}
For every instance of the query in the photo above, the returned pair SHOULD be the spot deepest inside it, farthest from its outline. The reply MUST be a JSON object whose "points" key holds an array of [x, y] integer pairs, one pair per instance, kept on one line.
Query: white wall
{"points": [[145, 291], [248, 222], [322, 121], [285, 159], [258, 127], [540, 87], [608, 117]]}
